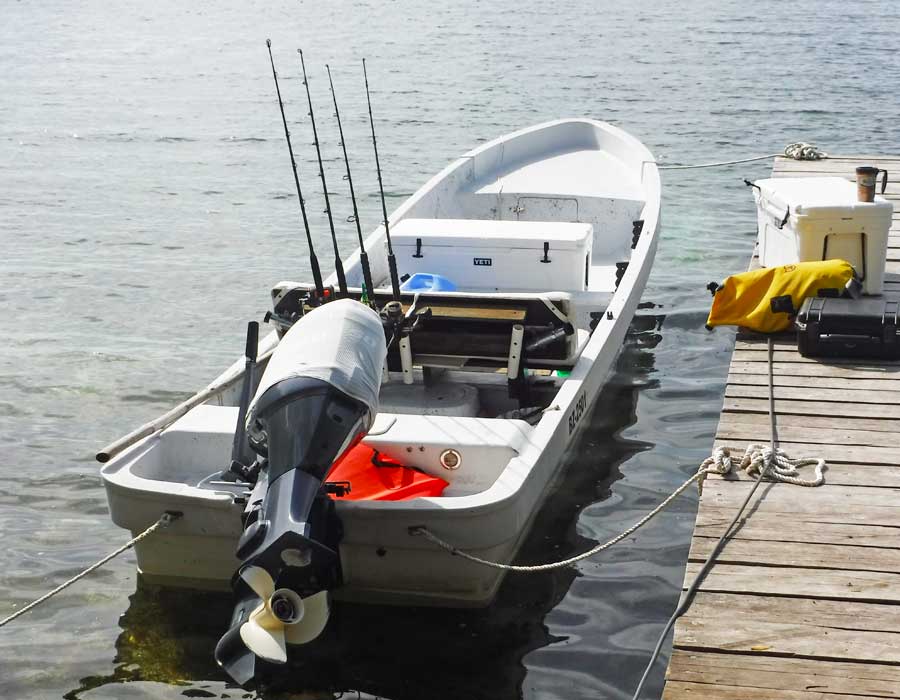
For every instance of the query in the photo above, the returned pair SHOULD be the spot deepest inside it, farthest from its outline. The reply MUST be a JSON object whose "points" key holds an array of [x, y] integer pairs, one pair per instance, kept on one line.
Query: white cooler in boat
{"points": [[488, 255], [820, 218]]}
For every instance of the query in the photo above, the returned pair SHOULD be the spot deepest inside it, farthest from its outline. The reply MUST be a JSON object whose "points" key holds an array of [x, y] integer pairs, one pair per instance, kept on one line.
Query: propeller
{"points": [[283, 617], [267, 620]]}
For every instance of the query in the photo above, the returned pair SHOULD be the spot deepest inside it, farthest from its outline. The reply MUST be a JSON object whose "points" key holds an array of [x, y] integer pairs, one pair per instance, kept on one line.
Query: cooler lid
{"points": [[820, 197], [490, 233]]}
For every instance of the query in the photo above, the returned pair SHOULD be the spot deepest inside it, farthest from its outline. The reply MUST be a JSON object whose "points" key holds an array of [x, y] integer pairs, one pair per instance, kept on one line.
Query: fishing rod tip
{"points": [[269, 43]]}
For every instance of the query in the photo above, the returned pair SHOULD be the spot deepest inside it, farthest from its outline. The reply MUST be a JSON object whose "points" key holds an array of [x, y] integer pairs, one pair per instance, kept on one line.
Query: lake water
{"points": [[146, 206]]}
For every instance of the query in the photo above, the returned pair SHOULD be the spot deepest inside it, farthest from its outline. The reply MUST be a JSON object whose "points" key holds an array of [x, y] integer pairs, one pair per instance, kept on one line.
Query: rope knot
{"points": [[778, 466], [804, 151], [719, 462]]}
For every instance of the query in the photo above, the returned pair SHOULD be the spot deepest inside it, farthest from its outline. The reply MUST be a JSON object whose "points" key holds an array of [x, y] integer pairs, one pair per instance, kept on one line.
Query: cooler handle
{"points": [[787, 215], [862, 257]]}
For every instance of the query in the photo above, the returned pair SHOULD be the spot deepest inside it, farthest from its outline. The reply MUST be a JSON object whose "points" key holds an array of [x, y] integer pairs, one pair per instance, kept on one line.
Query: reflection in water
{"points": [[167, 636], [395, 652]]}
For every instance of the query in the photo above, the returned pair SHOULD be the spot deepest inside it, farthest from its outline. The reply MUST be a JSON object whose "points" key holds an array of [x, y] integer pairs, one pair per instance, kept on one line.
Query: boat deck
{"points": [[563, 175], [804, 601]]}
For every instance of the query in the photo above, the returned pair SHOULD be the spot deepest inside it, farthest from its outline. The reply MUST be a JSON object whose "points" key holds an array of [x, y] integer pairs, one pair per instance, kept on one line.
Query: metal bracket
{"points": [[636, 230], [515, 351], [406, 359], [620, 272]]}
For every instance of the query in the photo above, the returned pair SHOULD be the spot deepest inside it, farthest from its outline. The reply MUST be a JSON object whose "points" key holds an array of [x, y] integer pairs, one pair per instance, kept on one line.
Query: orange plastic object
{"points": [[390, 481]]}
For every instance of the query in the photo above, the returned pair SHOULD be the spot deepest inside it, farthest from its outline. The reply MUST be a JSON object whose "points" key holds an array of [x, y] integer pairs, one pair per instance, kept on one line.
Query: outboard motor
{"points": [[316, 399]]}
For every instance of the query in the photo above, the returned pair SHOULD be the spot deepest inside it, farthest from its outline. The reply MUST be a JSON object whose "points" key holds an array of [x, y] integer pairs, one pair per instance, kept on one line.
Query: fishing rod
{"points": [[338, 265], [313, 260], [363, 256], [392, 261]]}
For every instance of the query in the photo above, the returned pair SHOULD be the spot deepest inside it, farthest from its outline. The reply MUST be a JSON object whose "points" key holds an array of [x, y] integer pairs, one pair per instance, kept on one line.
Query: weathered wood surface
{"points": [[768, 677], [813, 408], [804, 600]]}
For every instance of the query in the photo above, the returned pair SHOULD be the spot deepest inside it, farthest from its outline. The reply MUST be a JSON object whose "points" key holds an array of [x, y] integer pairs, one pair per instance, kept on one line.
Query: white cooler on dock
{"points": [[820, 218]]}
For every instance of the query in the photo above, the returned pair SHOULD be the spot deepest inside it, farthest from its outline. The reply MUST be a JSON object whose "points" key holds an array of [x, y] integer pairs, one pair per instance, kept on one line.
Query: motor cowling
{"points": [[317, 398]]}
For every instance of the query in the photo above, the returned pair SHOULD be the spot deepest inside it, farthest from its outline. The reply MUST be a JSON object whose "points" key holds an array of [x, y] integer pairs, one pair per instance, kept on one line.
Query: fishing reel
{"points": [[398, 324], [290, 304], [398, 327]]}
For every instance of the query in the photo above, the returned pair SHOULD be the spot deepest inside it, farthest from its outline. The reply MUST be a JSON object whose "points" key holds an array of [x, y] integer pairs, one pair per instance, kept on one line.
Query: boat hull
{"points": [[382, 560]]}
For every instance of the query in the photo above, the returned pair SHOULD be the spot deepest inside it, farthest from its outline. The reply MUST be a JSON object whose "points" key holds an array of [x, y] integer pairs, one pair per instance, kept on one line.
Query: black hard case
{"points": [[851, 328]]}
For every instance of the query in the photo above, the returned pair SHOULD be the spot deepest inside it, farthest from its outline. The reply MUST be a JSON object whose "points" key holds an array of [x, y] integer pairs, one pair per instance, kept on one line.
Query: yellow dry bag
{"points": [[765, 299]]}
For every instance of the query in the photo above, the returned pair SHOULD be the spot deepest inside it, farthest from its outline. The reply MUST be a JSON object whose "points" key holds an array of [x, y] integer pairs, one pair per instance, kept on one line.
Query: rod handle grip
{"points": [[252, 341]]}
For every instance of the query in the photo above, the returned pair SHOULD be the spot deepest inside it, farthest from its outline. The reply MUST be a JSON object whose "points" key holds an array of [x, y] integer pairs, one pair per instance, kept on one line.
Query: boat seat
{"points": [[479, 329], [466, 325], [484, 446]]}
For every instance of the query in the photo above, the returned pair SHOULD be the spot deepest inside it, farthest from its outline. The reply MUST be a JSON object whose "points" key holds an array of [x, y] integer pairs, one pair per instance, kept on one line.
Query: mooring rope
{"points": [[430, 536], [795, 151], [762, 461], [164, 521], [785, 471], [757, 460]]}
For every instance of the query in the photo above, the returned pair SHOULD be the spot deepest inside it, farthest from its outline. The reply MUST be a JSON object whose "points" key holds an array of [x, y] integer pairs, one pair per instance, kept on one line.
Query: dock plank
{"points": [[828, 501], [803, 602], [789, 638], [784, 626], [811, 556], [812, 408], [678, 690], [826, 584], [817, 370], [801, 528], [837, 435], [790, 354], [850, 615], [756, 671], [851, 396], [884, 383], [843, 474], [801, 421], [832, 453]]}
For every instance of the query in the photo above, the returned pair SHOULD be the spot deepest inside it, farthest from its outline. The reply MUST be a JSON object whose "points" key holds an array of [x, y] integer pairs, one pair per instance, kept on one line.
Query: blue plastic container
{"points": [[426, 282]]}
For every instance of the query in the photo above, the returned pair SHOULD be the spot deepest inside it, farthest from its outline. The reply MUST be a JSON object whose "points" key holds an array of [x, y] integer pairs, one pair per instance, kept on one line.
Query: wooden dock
{"points": [[804, 601]]}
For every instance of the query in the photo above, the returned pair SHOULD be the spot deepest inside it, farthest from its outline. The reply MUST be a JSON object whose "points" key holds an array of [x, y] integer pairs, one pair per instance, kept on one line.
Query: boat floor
{"points": [[563, 175]]}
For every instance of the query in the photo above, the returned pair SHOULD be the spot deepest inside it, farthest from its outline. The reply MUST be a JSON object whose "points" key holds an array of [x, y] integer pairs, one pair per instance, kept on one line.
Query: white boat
{"points": [[548, 236]]}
